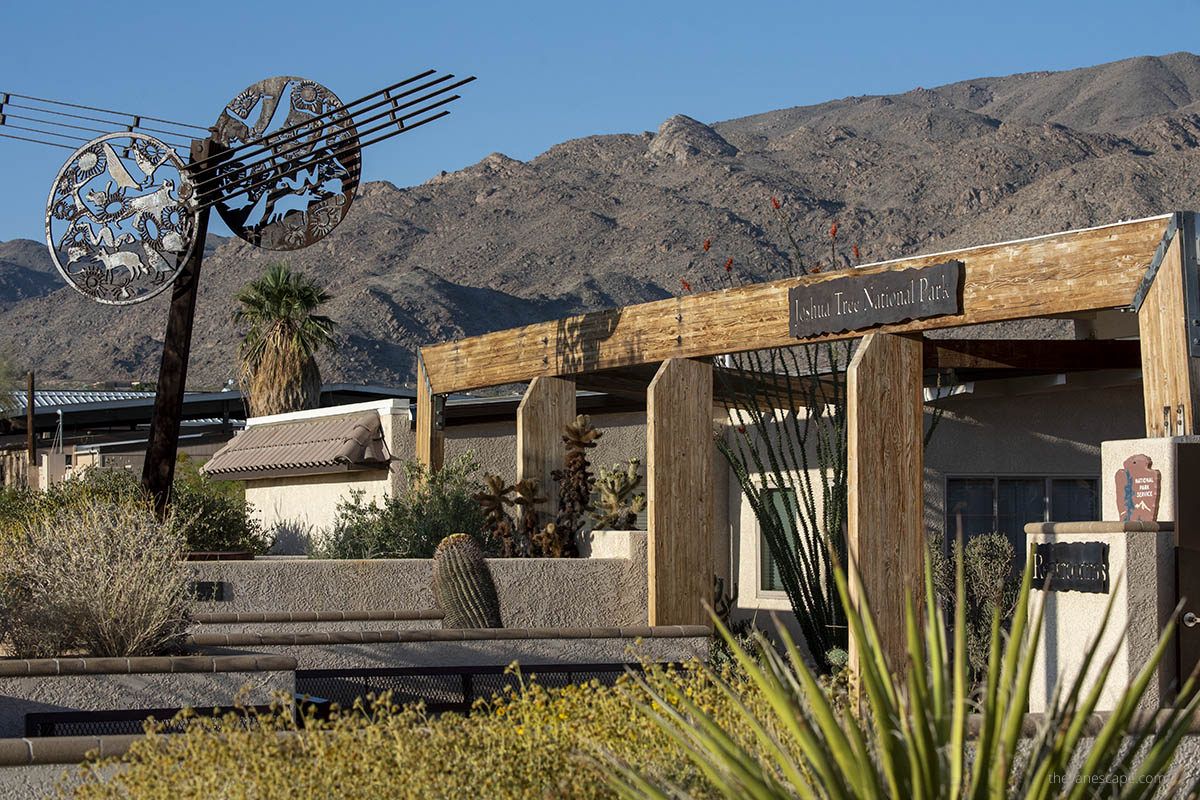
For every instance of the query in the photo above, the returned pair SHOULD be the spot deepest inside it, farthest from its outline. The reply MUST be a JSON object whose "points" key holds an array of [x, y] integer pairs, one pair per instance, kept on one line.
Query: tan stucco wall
{"points": [[309, 502]]}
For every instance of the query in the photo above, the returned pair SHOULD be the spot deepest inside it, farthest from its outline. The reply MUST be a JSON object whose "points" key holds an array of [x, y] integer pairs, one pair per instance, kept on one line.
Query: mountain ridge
{"points": [[620, 218]]}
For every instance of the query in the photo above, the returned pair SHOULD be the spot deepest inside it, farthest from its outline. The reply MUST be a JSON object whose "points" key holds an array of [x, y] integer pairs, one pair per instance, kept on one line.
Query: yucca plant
{"points": [[911, 737]]}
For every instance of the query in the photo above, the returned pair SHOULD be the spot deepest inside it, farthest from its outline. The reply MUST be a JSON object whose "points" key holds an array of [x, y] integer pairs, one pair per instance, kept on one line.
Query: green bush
{"points": [[991, 585], [96, 576], [409, 524], [212, 515]]}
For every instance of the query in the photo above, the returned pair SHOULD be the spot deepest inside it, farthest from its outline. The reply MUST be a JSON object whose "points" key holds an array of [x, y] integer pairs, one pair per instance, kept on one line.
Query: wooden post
{"points": [[885, 464], [679, 454], [1169, 374], [30, 433], [431, 439], [547, 407]]}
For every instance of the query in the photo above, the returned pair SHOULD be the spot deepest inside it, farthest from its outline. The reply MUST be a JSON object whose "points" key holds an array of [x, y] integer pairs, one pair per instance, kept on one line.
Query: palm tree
{"points": [[278, 367]]}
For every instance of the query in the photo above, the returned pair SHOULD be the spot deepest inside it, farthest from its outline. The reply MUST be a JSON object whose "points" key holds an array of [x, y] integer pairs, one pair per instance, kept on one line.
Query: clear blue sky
{"points": [[547, 71]]}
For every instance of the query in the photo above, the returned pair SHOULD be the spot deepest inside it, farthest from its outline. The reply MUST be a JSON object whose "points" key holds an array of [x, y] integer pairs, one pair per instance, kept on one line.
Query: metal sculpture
{"points": [[121, 218], [127, 216], [313, 168]]}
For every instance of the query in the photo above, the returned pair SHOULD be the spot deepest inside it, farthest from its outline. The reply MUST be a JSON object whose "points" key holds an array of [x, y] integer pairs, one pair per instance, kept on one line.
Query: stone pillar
{"points": [[1140, 571]]}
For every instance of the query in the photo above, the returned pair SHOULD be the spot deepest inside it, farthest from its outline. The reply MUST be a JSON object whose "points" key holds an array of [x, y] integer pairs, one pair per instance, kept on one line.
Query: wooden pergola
{"points": [[1146, 266]]}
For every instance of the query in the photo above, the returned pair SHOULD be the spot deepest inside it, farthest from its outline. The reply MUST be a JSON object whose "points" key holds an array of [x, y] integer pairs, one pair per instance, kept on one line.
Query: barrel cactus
{"points": [[463, 585]]}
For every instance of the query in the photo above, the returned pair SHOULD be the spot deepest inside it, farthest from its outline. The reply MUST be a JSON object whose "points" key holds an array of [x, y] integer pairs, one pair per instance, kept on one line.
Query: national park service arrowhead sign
{"points": [[856, 302], [1138, 489]]}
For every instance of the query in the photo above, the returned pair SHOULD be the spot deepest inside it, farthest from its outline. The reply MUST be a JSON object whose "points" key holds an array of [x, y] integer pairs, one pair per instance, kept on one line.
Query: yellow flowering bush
{"points": [[531, 742]]}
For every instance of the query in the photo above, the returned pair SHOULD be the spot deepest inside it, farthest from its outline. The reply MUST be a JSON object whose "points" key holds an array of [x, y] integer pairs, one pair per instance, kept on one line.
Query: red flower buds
{"points": [[833, 230], [706, 242], [686, 285], [775, 203], [729, 265]]}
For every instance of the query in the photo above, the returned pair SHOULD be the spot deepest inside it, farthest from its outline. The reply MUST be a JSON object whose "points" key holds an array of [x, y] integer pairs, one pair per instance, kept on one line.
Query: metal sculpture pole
{"points": [[127, 218], [158, 471]]}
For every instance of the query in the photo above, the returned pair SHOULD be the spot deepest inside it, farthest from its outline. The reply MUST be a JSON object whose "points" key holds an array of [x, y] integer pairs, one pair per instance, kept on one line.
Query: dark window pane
{"points": [[1073, 500], [1020, 500], [969, 507], [784, 503]]}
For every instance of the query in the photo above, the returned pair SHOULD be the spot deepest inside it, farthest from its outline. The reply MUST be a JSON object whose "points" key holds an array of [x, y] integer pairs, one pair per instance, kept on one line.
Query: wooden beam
{"points": [[679, 468], [431, 439], [1055, 274], [1169, 375], [545, 410], [886, 484], [1063, 355]]}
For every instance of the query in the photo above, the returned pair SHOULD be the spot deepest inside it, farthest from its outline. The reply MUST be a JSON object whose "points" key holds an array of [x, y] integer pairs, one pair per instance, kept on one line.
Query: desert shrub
{"points": [[409, 524], [96, 576], [214, 514], [531, 742], [992, 581]]}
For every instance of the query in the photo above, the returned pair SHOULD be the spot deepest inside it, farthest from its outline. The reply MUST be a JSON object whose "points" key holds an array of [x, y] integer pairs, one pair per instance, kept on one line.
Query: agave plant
{"points": [[923, 732]]}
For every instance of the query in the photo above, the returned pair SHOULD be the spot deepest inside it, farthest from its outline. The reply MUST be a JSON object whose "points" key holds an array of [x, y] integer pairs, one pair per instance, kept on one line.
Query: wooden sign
{"points": [[855, 302], [1071, 567], [1138, 489]]}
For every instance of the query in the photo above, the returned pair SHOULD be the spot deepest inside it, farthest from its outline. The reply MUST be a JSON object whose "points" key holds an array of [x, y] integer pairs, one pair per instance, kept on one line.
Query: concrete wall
{"points": [[534, 592], [483, 648], [1055, 431], [142, 684], [1141, 570]]}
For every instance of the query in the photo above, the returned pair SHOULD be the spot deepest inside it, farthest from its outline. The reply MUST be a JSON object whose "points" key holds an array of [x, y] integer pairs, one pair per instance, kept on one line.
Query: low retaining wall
{"points": [[310, 621], [534, 592], [474, 648], [110, 684]]}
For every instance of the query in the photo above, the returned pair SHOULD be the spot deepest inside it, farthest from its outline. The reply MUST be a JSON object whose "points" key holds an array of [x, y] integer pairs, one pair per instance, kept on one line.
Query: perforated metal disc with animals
{"points": [[121, 218]]}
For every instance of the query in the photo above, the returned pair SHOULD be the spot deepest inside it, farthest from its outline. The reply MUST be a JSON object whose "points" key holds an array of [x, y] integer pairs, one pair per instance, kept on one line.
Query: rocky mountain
{"points": [[611, 220]]}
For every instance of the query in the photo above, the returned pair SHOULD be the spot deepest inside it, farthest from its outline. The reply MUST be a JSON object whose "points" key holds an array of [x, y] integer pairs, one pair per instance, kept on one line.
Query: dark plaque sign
{"points": [[1138, 489], [854, 302], [1071, 566]]}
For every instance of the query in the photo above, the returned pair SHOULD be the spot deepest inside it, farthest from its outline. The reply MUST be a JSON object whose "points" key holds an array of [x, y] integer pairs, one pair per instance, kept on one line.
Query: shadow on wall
{"points": [[294, 537]]}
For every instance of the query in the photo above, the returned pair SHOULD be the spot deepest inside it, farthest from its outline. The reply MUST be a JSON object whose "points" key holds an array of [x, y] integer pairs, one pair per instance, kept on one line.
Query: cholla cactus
{"points": [[615, 506], [499, 525], [574, 486], [527, 499]]}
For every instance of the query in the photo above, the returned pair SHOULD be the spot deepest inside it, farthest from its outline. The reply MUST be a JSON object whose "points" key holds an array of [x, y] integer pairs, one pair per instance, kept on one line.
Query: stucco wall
{"points": [[534, 592]]}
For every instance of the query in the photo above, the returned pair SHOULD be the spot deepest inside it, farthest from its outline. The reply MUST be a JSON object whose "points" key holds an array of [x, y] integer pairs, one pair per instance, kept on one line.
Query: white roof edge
{"points": [[393, 405]]}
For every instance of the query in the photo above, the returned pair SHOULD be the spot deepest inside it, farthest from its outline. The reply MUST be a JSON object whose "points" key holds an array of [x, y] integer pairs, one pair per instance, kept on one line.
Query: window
{"points": [[784, 502], [1005, 505]]}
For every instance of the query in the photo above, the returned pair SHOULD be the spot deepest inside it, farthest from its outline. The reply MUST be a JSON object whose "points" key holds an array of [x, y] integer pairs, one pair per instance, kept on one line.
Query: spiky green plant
{"points": [[912, 739], [278, 364]]}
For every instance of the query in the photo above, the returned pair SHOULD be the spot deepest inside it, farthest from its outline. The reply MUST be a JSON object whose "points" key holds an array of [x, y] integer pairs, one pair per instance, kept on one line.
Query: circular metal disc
{"points": [[297, 184], [121, 219]]}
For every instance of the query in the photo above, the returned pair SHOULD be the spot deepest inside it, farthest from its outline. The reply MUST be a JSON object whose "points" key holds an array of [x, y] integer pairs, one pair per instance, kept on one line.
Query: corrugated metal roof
{"points": [[325, 444], [57, 398]]}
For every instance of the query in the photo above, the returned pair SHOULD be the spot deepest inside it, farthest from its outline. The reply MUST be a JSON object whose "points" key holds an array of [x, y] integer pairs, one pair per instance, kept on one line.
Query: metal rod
{"points": [[207, 184], [119, 123], [37, 141], [275, 134], [293, 164], [30, 434], [107, 111], [267, 143]]}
